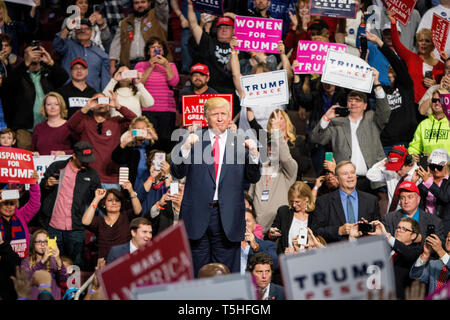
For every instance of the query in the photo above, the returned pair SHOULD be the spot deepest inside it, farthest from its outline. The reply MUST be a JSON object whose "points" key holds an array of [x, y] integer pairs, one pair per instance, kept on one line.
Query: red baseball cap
{"points": [[396, 158], [408, 186], [201, 68], [225, 21], [78, 61]]}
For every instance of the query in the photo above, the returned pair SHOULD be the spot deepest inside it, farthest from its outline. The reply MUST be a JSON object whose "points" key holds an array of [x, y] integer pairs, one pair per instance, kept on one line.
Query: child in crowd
{"points": [[7, 138]]}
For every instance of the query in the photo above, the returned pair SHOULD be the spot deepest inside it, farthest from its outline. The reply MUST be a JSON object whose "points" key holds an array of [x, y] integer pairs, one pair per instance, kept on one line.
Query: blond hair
{"points": [[214, 103], [290, 129], [301, 190], [61, 103], [147, 122], [5, 16]]}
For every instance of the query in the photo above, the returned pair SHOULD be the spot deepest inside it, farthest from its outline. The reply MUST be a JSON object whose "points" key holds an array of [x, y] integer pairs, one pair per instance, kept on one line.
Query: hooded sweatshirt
{"points": [[430, 134]]}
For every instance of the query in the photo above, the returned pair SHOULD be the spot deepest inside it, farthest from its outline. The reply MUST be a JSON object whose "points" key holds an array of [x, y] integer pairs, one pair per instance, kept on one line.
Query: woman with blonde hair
{"points": [[45, 257], [291, 222], [135, 145], [53, 136]]}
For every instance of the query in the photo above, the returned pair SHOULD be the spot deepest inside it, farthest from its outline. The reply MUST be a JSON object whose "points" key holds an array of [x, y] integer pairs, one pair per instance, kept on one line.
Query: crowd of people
{"points": [[104, 87]]}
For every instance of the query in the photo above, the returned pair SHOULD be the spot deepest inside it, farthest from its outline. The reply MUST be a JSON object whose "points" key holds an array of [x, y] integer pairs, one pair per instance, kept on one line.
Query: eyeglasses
{"points": [[99, 127], [434, 100], [41, 242], [354, 99], [82, 29], [9, 203], [435, 167], [404, 229]]}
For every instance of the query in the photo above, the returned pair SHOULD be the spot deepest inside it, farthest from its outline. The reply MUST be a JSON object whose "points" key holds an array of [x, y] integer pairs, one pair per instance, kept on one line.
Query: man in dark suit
{"points": [[337, 211], [213, 201], [261, 267], [141, 234], [409, 204]]}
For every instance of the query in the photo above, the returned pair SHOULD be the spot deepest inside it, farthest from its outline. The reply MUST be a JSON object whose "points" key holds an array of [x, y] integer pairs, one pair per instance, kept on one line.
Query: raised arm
{"points": [[196, 30], [236, 68]]}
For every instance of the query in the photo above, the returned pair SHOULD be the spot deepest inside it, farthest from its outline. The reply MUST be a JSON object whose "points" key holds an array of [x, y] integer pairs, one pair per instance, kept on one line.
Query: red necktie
{"points": [[216, 154], [393, 256], [396, 197], [442, 278]]}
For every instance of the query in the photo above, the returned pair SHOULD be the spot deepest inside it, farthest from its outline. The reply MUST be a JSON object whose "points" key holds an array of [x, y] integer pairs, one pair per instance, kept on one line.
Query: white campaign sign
{"points": [[25, 2], [266, 88], [41, 163], [347, 71], [227, 287], [341, 271]]}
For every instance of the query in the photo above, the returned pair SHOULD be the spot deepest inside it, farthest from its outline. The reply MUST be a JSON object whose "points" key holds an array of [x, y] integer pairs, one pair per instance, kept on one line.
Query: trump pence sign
{"points": [[257, 34]]}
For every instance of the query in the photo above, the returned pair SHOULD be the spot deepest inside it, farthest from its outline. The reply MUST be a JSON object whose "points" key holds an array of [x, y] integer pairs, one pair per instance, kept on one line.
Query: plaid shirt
{"points": [[113, 13]]}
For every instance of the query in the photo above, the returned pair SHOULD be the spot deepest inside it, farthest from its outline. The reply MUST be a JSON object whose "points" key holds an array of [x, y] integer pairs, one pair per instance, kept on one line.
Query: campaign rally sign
{"points": [[341, 271], [439, 32], [77, 102], [227, 287], [311, 55], [267, 88], [445, 102], [401, 9], [333, 8], [257, 34], [192, 106], [25, 2], [214, 7], [167, 258], [347, 71], [440, 294], [41, 163], [16, 166]]}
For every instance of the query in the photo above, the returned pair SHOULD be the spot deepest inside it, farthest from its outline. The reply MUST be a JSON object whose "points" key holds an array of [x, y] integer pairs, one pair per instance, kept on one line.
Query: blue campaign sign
{"points": [[333, 8], [214, 7]]}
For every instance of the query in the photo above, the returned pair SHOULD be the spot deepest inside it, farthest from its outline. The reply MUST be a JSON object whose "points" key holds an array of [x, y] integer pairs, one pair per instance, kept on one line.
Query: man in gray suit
{"points": [[356, 136], [141, 234]]}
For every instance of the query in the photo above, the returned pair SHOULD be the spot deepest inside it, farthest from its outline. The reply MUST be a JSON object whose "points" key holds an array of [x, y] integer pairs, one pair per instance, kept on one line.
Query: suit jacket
{"points": [[429, 273], [118, 251], [276, 292], [403, 261], [201, 183], [266, 247], [283, 221], [392, 219], [329, 214], [442, 195], [338, 133]]}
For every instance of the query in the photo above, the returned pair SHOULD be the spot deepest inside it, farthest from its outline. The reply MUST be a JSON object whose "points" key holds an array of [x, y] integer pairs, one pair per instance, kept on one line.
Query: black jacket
{"points": [[404, 259], [442, 195], [283, 221], [129, 156], [8, 262], [22, 94], [87, 181]]}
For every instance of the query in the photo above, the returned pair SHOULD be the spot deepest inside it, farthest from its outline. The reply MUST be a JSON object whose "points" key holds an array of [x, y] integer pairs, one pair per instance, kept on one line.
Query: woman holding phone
{"points": [[130, 91], [44, 256], [159, 77]]}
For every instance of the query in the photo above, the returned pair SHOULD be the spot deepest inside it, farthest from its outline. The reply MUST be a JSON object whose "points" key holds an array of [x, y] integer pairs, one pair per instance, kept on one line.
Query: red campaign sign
{"points": [[401, 9], [16, 166], [166, 259], [193, 107], [439, 32]]}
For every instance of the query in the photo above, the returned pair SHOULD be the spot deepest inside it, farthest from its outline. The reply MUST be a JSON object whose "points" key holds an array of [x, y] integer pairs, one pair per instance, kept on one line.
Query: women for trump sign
{"points": [[347, 71], [311, 55], [257, 34]]}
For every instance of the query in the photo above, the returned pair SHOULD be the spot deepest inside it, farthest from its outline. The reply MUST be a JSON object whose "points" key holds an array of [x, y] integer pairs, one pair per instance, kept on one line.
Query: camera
{"points": [[103, 100], [157, 52], [96, 7], [302, 236], [138, 133], [36, 45], [423, 161], [342, 111], [429, 74], [365, 228], [363, 48]]}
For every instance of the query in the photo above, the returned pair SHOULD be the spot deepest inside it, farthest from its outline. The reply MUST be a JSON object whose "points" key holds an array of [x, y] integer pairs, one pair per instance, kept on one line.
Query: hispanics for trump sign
{"points": [[166, 259], [214, 7], [401, 9], [257, 34], [311, 55], [347, 71], [439, 32], [267, 88], [333, 8], [193, 106], [345, 270], [16, 166], [227, 287]]}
